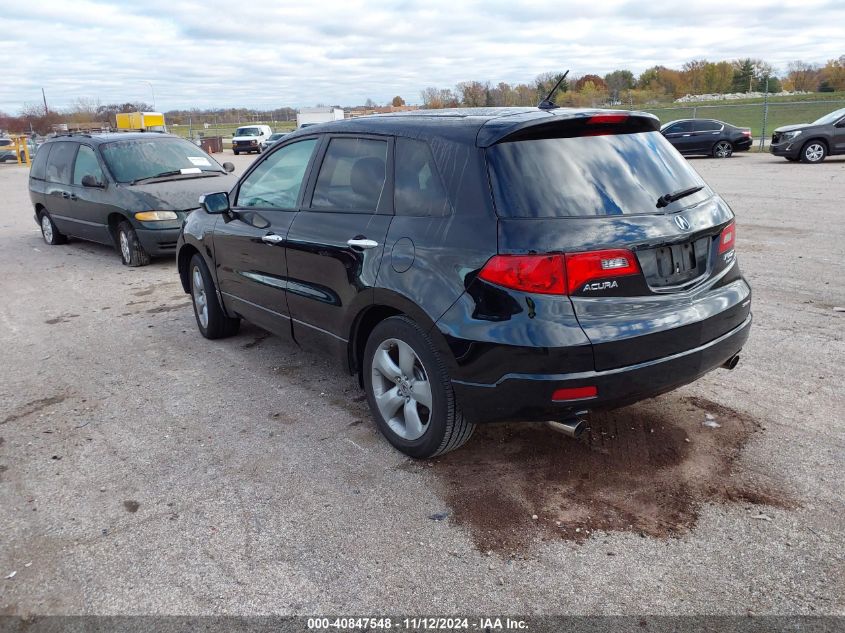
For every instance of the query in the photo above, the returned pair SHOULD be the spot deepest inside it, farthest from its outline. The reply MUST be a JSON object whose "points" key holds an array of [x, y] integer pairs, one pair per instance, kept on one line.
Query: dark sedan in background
{"points": [[707, 137]]}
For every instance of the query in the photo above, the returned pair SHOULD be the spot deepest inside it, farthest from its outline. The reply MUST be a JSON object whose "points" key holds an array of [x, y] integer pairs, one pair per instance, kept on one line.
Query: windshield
{"points": [[833, 117], [145, 158], [247, 131], [616, 174]]}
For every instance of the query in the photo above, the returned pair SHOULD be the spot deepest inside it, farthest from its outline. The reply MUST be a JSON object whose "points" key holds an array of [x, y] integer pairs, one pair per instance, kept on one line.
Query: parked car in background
{"points": [[250, 138], [274, 138], [474, 265], [7, 150], [707, 137], [811, 142], [129, 190]]}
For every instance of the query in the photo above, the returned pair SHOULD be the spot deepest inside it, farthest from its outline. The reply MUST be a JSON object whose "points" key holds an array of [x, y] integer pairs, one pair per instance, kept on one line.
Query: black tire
{"points": [[813, 152], [446, 428], [130, 249], [236, 152], [217, 324], [49, 230], [722, 149]]}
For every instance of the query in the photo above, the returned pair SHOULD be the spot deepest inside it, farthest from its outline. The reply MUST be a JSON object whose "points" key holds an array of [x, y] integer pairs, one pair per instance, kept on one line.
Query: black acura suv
{"points": [[475, 265]]}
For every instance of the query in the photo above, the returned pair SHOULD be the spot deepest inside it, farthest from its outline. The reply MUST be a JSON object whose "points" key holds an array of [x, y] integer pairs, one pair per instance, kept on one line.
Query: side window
{"points": [[39, 163], [678, 128], [59, 162], [86, 165], [276, 182], [352, 176], [419, 189], [707, 126]]}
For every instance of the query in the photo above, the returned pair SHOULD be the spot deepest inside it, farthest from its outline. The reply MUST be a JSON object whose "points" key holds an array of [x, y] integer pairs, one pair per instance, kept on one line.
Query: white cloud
{"points": [[268, 54]]}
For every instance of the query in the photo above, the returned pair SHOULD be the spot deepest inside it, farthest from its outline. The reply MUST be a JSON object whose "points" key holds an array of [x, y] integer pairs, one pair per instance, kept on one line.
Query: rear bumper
{"points": [[528, 397], [159, 242], [743, 144]]}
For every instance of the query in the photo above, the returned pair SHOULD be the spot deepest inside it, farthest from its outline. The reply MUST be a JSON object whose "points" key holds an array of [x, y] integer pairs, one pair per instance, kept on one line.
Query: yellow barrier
{"points": [[21, 146]]}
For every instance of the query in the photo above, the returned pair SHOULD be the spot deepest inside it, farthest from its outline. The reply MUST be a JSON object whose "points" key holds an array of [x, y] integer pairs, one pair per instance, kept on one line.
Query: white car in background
{"points": [[250, 138]]}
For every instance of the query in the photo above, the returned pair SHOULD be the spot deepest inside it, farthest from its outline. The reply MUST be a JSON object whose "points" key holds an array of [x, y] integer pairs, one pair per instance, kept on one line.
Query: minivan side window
{"points": [[59, 162], [86, 165], [352, 176], [418, 187], [276, 182]]}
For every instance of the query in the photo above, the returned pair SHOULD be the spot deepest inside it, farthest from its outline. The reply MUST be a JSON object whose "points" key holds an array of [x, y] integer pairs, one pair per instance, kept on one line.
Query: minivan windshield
{"points": [[617, 174], [830, 118], [247, 131], [138, 159]]}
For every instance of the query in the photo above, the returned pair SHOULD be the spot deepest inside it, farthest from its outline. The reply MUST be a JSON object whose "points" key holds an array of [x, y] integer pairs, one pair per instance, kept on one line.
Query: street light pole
{"points": [[153, 90]]}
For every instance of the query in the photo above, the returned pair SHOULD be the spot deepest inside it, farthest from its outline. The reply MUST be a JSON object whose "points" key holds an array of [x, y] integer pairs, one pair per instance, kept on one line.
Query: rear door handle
{"points": [[65, 195], [362, 243], [272, 239], [72, 196]]}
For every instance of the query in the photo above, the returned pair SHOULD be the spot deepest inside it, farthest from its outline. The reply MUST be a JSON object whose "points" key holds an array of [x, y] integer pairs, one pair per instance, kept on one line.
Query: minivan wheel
{"points": [[212, 322], [723, 149], [131, 251], [409, 391], [49, 232], [813, 152]]}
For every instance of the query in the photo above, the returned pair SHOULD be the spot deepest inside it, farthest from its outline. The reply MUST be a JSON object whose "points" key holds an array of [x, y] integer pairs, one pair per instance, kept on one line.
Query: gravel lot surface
{"points": [[144, 469]]}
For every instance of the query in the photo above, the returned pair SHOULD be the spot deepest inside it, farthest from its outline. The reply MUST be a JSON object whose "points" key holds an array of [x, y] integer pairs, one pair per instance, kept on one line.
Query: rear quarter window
{"points": [[419, 188], [617, 174], [38, 170]]}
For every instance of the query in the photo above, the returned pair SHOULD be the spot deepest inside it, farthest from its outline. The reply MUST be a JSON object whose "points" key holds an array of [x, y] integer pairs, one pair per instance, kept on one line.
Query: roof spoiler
{"points": [[565, 123]]}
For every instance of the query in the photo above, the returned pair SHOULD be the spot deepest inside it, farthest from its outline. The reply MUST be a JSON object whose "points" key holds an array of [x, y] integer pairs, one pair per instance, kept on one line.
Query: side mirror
{"points": [[89, 181], [215, 203], [229, 167]]}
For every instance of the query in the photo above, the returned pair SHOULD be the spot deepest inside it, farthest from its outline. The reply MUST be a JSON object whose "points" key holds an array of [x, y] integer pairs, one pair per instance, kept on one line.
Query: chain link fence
{"points": [[762, 118]]}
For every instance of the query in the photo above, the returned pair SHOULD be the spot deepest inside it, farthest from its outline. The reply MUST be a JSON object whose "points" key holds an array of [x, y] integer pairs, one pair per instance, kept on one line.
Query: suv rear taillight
{"points": [[558, 274], [585, 267], [543, 274], [727, 238]]}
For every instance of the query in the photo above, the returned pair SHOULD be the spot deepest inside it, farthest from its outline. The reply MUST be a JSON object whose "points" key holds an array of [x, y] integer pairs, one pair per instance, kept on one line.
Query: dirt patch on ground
{"points": [[168, 308], [647, 469], [33, 407]]}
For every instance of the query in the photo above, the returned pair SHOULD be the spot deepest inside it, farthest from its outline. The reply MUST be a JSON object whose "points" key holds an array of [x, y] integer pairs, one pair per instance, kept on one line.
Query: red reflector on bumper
{"points": [[574, 393]]}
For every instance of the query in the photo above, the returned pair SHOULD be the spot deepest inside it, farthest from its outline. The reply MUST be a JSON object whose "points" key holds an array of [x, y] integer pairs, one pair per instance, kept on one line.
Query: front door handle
{"points": [[273, 239], [362, 243], [65, 195]]}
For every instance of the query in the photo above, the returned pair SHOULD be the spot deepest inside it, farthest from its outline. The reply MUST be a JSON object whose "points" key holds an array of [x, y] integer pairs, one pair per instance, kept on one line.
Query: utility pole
{"points": [[44, 96], [765, 114]]}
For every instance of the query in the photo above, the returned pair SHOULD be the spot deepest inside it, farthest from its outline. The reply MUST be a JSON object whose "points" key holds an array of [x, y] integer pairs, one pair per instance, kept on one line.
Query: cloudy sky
{"points": [[273, 53]]}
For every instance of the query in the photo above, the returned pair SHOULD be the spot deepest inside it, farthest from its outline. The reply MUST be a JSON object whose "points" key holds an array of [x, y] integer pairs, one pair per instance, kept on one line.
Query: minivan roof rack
{"points": [[547, 103]]}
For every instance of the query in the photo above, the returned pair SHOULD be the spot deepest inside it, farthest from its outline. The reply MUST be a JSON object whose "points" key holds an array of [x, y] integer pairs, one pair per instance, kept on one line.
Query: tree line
{"points": [[655, 84]]}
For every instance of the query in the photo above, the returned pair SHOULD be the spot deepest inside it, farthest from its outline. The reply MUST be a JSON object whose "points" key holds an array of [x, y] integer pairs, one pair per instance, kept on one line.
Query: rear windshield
{"points": [[617, 174]]}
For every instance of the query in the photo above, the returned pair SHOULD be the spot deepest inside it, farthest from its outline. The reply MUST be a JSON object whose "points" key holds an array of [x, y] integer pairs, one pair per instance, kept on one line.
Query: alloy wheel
{"points": [[124, 247], [200, 298], [723, 149], [401, 388], [47, 229], [814, 152]]}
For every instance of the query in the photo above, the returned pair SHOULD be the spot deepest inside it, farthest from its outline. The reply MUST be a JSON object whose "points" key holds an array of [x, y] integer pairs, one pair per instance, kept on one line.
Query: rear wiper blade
{"points": [[668, 198]]}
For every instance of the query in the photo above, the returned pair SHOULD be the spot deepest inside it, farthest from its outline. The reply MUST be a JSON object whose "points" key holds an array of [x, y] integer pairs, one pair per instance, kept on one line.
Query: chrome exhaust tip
{"points": [[732, 362], [574, 427]]}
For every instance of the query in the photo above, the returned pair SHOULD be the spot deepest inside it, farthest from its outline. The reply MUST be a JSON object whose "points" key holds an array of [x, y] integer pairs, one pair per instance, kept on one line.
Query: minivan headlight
{"points": [[155, 216], [788, 136]]}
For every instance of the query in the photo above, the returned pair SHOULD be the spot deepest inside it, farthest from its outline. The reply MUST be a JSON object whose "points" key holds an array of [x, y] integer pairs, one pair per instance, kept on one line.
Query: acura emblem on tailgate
{"points": [[682, 223]]}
